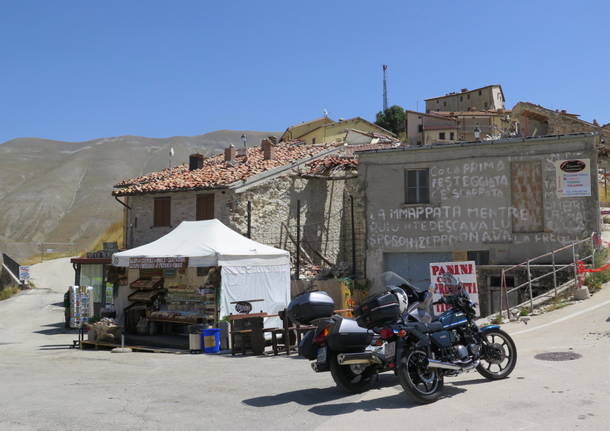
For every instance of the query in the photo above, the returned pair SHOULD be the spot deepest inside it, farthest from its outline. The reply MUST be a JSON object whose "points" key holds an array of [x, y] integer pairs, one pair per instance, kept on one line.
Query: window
{"points": [[416, 186], [420, 128], [162, 212], [441, 136], [205, 207], [313, 141], [452, 136], [444, 103], [480, 257], [479, 92], [461, 98], [468, 96]]}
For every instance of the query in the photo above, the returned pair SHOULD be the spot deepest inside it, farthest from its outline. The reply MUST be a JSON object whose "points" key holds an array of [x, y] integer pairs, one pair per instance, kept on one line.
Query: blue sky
{"points": [[77, 70]]}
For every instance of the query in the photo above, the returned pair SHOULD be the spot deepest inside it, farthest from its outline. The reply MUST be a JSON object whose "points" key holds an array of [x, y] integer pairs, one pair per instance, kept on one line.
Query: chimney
{"points": [[268, 149], [273, 139], [230, 153], [195, 161], [563, 111], [464, 90]]}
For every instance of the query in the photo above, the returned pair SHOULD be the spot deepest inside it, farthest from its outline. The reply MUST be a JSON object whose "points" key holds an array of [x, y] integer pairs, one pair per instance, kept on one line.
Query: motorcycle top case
{"points": [[377, 310], [347, 337], [309, 306]]}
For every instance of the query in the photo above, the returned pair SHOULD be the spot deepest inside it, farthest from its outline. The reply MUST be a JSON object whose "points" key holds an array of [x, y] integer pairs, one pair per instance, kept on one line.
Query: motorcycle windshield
{"points": [[391, 279]]}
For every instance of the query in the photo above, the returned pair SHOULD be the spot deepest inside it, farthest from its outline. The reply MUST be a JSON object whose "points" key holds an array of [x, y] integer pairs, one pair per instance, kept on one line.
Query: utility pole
{"points": [[385, 87]]}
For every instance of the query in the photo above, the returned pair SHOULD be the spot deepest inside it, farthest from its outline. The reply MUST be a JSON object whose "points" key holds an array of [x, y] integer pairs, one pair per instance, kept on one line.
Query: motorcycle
{"points": [[352, 350], [448, 346]]}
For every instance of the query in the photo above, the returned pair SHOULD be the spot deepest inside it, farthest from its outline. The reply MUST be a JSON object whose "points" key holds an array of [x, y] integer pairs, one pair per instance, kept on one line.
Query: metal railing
{"points": [[576, 250]]}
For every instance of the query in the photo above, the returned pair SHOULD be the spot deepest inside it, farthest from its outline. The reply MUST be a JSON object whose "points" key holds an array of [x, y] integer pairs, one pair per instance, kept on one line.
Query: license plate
{"points": [[322, 354], [390, 349]]}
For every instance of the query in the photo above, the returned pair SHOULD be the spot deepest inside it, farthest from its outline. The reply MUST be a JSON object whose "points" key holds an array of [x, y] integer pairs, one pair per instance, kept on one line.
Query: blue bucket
{"points": [[210, 340]]}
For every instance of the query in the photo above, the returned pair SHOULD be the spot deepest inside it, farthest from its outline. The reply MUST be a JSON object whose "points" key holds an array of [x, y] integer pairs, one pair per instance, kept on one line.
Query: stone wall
{"points": [[325, 216]]}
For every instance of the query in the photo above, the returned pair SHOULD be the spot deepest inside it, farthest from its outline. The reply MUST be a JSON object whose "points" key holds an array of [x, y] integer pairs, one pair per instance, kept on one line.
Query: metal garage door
{"points": [[415, 267]]}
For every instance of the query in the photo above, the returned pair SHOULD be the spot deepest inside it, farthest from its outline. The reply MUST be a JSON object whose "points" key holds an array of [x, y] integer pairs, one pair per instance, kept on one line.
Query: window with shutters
{"points": [[162, 212], [417, 189], [205, 206]]}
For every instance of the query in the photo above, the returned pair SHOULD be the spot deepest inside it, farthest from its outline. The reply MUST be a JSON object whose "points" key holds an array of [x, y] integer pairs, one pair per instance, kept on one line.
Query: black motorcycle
{"points": [[385, 337], [350, 349], [449, 346]]}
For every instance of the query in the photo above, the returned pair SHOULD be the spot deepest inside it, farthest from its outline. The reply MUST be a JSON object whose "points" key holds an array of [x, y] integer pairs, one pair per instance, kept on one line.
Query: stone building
{"points": [[490, 97], [536, 120], [336, 131], [262, 185], [496, 202], [427, 129]]}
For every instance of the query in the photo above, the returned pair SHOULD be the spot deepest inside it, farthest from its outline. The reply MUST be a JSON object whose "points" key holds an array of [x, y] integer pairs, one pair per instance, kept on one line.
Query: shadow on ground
{"points": [[321, 399], [56, 347], [55, 329]]}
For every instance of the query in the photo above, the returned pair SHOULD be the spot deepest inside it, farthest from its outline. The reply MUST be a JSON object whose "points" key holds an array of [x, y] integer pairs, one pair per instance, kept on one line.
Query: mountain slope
{"points": [[60, 192]]}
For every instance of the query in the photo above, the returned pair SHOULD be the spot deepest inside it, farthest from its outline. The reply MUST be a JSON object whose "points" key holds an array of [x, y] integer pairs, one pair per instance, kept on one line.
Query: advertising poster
{"points": [[464, 272], [573, 177]]}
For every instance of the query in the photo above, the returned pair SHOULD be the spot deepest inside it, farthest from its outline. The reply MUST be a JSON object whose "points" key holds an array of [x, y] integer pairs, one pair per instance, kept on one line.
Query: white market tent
{"points": [[250, 270]]}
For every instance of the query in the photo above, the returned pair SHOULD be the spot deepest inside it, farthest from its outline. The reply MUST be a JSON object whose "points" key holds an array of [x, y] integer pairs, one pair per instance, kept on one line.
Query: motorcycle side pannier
{"points": [[309, 306], [377, 310], [347, 336]]}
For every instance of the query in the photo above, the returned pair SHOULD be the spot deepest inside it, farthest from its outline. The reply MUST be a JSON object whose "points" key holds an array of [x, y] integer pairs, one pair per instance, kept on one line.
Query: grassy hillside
{"points": [[60, 192]]}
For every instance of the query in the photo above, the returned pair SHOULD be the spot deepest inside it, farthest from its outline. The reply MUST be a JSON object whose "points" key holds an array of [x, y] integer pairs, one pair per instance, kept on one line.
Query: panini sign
{"points": [[464, 272], [158, 262]]}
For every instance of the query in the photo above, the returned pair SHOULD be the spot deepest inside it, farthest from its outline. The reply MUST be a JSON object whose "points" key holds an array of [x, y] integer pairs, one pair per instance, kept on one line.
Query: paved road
{"points": [[44, 386]]}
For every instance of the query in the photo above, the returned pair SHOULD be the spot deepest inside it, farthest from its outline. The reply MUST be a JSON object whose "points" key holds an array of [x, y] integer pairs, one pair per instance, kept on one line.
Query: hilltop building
{"points": [[490, 97]]}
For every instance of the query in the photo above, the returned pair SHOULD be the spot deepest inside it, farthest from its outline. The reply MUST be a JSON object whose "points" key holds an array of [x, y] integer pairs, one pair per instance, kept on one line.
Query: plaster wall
{"points": [[470, 205]]}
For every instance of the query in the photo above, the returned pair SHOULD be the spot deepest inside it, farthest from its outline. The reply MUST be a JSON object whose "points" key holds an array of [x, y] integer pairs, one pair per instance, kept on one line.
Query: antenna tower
{"points": [[385, 87]]}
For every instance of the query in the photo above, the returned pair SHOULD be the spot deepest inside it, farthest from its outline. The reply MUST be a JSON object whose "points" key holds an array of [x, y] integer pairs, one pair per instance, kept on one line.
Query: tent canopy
{"points": [[205, 243]]}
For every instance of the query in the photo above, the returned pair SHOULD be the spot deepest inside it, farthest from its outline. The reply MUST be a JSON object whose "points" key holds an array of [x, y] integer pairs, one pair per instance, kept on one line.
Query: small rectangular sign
{"points": [[573, 177], [158, 262], [24, 273]]}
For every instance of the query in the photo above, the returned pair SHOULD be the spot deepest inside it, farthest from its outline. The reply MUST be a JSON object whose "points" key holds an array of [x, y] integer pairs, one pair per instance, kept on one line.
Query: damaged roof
{"points": [[218, 173]]}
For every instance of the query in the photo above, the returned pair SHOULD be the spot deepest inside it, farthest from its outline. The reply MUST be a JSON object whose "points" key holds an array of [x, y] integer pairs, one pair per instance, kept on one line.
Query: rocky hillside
{"points": [[60, 192]]}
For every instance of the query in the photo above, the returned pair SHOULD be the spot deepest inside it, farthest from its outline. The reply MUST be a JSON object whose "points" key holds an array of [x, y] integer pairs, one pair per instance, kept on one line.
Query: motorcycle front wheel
{"points": [[498, 355], [421, 383], [353, 379]]}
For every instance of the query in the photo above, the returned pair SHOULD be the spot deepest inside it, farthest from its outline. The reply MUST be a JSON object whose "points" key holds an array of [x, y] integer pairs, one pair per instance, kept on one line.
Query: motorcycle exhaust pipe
{"points": [[366, 358], [433, 363]]}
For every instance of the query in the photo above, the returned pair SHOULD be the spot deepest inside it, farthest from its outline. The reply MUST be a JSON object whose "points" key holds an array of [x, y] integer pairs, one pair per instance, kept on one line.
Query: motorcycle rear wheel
{"points": [[499, 356], [351, 379], [420, 383]]}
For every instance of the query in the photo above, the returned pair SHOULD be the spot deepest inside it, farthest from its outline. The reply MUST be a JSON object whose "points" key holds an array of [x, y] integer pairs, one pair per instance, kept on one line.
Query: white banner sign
{"points": [[464, 272], [573, 177]]}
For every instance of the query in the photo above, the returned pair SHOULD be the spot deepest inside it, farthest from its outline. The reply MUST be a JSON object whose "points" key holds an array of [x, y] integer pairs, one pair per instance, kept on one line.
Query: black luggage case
{"points": [[377, 310], [347, 337], [309, 306]]}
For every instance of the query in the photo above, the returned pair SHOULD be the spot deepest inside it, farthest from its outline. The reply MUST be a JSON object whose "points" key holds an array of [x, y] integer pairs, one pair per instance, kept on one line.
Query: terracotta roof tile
{"points": [[216, 173]]}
